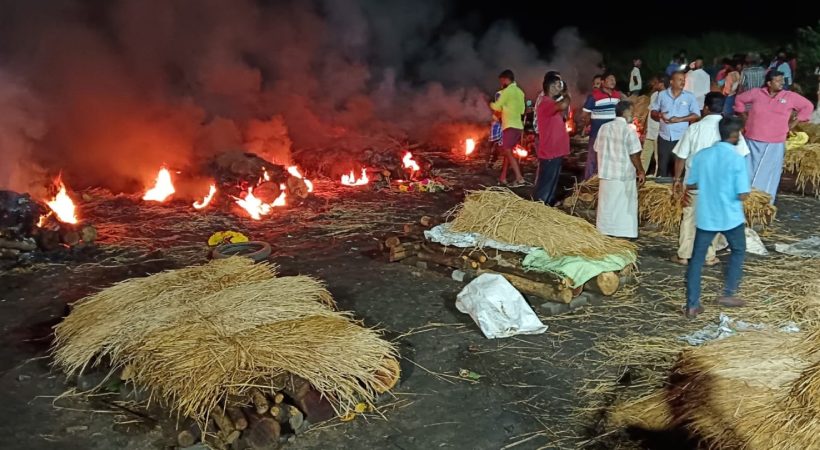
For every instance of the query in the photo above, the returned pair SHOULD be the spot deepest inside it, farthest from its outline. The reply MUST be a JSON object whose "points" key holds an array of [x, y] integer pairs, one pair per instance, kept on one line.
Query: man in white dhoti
{"points": [[619, 165], [698, 136]]}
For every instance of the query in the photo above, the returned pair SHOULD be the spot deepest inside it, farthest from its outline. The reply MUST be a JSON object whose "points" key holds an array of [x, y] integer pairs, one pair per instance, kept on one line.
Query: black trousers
{"points": [[546, 181], [666, 159]]}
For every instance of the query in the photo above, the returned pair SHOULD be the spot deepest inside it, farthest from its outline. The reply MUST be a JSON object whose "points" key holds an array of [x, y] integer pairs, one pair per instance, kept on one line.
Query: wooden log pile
{"points": [[464, 264], [27, 225]]}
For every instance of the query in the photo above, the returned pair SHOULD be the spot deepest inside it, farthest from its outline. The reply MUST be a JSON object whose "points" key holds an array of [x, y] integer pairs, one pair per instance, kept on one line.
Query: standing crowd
{"points": [[713, 141]]}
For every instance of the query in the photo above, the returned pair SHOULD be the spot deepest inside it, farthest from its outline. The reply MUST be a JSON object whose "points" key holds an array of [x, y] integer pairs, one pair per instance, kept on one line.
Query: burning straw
{"points": [[500, 214], [199, 336]]}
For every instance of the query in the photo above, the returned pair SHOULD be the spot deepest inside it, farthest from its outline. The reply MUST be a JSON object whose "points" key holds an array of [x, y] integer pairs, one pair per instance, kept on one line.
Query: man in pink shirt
{"points": [[770, 116], [553, 139]]}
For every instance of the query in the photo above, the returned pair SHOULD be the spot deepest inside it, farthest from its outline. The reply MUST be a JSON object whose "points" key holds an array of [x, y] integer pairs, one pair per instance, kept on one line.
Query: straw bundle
{"points": [[502, 215], [200, 336], [804, 161], [650, 413], [758, 209], [657, 205], [749, 391], [640, 107]]}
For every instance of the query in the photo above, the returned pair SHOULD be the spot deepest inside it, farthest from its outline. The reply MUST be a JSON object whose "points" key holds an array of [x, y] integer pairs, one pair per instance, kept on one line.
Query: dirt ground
{"points": [[528, 392]]}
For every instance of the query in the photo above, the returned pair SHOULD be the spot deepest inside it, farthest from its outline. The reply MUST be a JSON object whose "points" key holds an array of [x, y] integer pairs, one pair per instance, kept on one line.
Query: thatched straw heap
{"points": [[750, 392], [802, 156], [657, 205], [756, 391], [502, 215], [201, 337]]}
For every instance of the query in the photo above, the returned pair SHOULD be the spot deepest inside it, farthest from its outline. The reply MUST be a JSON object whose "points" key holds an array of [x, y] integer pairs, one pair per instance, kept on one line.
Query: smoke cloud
{"points": [[114, 89]]}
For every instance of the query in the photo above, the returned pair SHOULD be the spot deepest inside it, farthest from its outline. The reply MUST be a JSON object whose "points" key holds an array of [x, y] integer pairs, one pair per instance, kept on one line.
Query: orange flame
{"points": [[293, 170], [254, 206], [350, 180], [469, 146], [280, 201], [163, 187], [570, 123], [62, 206], [409, 163], [520, 151], [207, 199]]}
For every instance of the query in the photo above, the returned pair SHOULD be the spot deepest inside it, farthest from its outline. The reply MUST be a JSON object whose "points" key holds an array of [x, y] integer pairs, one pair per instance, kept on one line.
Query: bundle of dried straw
{"points": [[804, 162], [753, 391], [502, 215], [199, 336], [658, 206]]}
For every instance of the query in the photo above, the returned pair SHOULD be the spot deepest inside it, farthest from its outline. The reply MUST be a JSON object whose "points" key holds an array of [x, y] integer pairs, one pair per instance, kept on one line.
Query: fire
{"points": [[280, 201], [207, 199], [265, 175], [409, 163], [570, 123], [469, 147], [350, 180], [163, 187], [254, 206], [293, 170], [62, 206], [520, 151], [636, 125]]}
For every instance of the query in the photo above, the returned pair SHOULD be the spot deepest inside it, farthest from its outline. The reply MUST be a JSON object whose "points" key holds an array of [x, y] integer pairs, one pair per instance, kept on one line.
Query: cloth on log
{"points": [[441, 234], [618, 208], [577, 268]]}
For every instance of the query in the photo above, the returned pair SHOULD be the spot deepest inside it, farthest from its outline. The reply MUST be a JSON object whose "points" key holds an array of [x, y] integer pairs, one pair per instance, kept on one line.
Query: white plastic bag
{"points": [[498, 308], [753, 243]]}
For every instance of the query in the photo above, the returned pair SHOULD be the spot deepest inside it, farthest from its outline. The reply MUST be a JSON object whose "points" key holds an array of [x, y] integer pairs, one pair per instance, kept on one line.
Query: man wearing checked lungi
{"points": [[770, 112]]}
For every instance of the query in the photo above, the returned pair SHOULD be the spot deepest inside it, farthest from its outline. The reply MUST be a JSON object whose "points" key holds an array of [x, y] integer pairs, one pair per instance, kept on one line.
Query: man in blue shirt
{"points": [[720, 175], [675, 109]]}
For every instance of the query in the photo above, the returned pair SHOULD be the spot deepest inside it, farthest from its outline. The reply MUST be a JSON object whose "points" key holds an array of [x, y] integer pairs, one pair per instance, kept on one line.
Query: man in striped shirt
{"points": [[752, 77], [600, 109]]}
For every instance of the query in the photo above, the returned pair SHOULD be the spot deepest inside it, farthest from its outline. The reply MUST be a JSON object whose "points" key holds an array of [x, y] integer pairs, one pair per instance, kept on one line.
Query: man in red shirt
{"points": [[553, 139]]}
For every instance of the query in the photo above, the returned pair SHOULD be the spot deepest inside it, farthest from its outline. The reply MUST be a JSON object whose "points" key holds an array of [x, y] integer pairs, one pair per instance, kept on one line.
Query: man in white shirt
{"points": [[698, 136], [650, 142], [698, 81], [619, 165], [635, 81]]}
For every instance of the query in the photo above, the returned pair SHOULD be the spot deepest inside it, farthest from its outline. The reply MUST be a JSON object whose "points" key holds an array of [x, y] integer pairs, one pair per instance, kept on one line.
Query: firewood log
{"points": [[88, 234], [262, 433], [546, 291], [189, 435], [392, 241], [453, 261], [25, 246], [240, 422], [48, 239], [606, 283], [296, 419], [280, 413], [222, 421], [9, 253], [69, 237], [402, 251], [315, 407], [413, 229], [260, 402], [429, 222], [278, 398]]}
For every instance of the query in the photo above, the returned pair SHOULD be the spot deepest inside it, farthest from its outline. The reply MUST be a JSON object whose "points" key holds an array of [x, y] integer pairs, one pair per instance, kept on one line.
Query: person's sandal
{"points": [[692, 313], [678, 260], [520, 183], [712, 262]]}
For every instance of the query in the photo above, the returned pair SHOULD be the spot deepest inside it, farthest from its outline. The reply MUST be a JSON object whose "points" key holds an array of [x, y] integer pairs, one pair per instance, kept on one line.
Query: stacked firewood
{"points": [[27, 225], [464, 264], [262, 420]]}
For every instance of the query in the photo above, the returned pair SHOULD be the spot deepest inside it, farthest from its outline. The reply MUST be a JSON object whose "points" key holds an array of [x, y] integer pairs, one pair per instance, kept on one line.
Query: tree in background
{"points": [[808, 59]]}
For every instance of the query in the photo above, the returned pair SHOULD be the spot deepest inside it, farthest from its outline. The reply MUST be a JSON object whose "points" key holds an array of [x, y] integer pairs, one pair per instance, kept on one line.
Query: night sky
{"points": [[620, 23]]}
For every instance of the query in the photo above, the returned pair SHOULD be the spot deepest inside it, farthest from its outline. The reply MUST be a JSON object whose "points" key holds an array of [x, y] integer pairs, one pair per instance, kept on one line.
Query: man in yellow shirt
{"points": [[511, 105]]}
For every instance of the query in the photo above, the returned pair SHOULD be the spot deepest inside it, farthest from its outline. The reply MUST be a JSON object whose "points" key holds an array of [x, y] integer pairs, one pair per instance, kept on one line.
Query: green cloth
{"points": [[578, 268]]}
